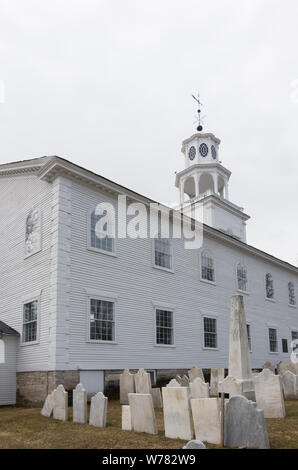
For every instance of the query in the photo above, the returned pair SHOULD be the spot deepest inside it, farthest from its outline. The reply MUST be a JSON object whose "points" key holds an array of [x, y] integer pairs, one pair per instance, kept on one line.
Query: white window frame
{"points": [[34, 297], [108, 297], [93, 248], [169, 308], [243, 266], [282, 351], [156, 266], [206, 250], [212, 317], [272, 327], [271, 299], [289, 304]]}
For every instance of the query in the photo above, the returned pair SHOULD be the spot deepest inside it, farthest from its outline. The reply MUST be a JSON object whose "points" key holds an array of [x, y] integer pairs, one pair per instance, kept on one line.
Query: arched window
{"points": [[269, 286], [33, 232], [2, 351], [163, 252], [241, 278], [207, 266], [101, 240], [292, 297]]}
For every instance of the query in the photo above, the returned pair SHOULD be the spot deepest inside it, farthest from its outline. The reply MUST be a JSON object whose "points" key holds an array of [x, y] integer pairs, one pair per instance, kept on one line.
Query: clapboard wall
{"points": [[8, 368]]}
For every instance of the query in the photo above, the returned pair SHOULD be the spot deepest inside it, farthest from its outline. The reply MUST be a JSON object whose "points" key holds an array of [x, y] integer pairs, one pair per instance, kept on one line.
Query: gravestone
{"points": [[231, 386], [48, 406], [79, 404], [98, 410], [207, 419], [194, 444], [195, 372], [269, 394], [173, 383], [290, 385], [127, 385], [199, 389], [156, 397], [177, 413], [283, 367], [142, 382], [142, 413], [60, 410], [239, 354], [126, 418], [269, 365], [245, 424], [216, 376]]}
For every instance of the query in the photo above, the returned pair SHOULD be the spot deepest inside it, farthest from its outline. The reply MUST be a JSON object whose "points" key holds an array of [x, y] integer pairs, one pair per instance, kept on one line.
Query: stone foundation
{"points": [[33, 387]]}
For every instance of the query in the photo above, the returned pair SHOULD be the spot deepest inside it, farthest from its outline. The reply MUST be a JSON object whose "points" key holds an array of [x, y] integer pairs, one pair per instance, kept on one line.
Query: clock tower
{"points": [[204, 182]]}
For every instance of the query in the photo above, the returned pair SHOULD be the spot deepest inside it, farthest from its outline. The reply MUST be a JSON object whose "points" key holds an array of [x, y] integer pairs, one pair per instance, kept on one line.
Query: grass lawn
{"points": [[25, 428]]}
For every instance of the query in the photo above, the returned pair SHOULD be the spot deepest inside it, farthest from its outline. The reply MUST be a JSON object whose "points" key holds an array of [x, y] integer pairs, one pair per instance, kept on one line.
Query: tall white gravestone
{"points": [[142, 382], [269, 394], [98, 410], [177, 413], [239, 354], [199, 389], [127, 385], [216, 376], [79, 404], [48, 406], [142, 413], [60, 410], [207, 419]]}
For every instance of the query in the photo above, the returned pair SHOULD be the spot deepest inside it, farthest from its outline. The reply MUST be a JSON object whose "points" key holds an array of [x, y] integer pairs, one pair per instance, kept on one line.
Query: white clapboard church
{"points": [[87, 307]]}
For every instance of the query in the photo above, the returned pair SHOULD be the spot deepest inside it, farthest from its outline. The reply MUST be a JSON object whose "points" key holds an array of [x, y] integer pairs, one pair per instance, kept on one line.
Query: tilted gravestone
{"points": [[207, 419], [239, 354], [48, 406], [156, 397], [177, 413], [269, 394], [98, 410], [79, 404], [245, 424], [195, 372], [199, 389], [142, 382], [283, 367], [126, 418], [142, 413], [290, 385], [127, 385], [60, 410], [216, 376]]}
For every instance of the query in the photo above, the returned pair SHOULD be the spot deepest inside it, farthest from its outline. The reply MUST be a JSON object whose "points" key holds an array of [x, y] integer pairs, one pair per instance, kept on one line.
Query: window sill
{"points": [[243, 292], [292, 306], [210, 349], [103, 252], [32, 254], [273, 352], [165, 346], [270, 300], [213, 283], [29, 343], [94, 341], [167, 270]]}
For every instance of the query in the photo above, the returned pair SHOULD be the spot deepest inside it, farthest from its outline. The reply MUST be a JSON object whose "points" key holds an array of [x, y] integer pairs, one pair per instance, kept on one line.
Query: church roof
{"points": [[7, 330]]}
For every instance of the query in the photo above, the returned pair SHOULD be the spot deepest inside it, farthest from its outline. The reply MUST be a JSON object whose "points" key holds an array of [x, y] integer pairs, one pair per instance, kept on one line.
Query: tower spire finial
{"points": [[199, 119]]}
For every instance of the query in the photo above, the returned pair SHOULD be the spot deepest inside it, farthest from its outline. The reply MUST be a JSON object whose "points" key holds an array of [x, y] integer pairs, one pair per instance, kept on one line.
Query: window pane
{"points": [[163, 252], [248, 336], [285, 345], [294, 335], [164, 327], [210, 334], [101, 243], [102, 324], [30, 322], [292, 297], [207, 268], [273, 347], [242, 278], [269, 287]]}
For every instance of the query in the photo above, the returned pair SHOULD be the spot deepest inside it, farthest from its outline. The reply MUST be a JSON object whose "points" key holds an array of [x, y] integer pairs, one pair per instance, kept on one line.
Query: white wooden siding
{"points": [[8, 371]]}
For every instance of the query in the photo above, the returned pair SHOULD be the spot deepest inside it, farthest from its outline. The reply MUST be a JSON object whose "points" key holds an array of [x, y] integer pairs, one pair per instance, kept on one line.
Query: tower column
{"points": [[226, 190], [182, 193], [215, 179], [196, 178]]}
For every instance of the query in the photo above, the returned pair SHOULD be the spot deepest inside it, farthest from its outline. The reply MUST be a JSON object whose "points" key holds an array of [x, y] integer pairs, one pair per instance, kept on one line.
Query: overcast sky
{"points": [[108, 84]]}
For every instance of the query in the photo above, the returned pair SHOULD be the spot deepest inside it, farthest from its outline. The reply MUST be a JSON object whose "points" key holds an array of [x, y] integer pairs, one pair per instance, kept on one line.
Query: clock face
{"points": [[192, 153], [213, 152], [203, 149]]}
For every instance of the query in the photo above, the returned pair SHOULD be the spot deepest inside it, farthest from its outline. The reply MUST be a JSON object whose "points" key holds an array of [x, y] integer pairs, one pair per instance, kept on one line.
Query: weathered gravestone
{"points": [[60, 410], [173, 383], [79, 404], [207, 418], [290, 385], [194, 444], [48, 406], [98, 410], [239, 354], [127, 385], [195, 372], [156, 397], [269, 365], [183, 381], [142, 382], [283, 367], [269, 394], [216, 376], [177, 413], [142, 413], [245, 424], [199, 389], [126, 418]]}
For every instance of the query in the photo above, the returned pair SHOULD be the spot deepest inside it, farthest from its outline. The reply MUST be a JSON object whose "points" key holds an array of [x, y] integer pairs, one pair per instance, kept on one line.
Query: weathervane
{"points": [[199, 119]]}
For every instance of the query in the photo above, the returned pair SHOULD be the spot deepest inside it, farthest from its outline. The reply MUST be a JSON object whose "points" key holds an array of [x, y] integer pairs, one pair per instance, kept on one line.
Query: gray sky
{"points": [[108, 84]]}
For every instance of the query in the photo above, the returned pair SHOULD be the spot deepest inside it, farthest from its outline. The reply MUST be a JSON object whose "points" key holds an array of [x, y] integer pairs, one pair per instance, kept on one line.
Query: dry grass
{"points": [[25, 428]]}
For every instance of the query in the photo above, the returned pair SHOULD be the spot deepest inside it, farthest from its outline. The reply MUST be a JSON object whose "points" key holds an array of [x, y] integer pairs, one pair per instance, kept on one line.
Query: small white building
{"points": [[9, 341], [86, 308]]}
